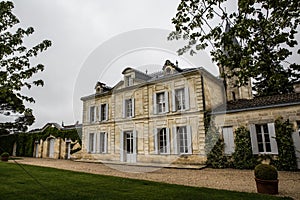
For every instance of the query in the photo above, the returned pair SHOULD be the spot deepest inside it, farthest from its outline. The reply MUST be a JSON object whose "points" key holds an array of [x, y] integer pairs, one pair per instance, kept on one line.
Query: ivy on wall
{"points": [[25, 141], [243, 157], [286, 152]]}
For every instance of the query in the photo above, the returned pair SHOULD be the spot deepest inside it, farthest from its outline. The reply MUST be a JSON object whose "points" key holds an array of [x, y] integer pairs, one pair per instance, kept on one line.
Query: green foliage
{"points": [[286, 152], [265, 172], [5, 154], [256, 42], [212, 133], [49, 183], [16, 70], [243, 157], [25, 141], [216, 157]]}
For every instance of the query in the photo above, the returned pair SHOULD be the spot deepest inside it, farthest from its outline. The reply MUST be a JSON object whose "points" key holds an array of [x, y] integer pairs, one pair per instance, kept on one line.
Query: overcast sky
{"points": [[94, 40]]}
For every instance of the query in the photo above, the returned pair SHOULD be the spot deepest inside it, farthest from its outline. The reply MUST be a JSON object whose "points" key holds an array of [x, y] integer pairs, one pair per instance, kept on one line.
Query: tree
{"points": [[257, 45], [16, 71]]}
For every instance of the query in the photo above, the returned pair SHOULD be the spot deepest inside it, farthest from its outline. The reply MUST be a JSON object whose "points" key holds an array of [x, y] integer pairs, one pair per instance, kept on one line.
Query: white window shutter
{"points": [[253, 139], [155, 137], [175, 139], [168, 140], [122, 146], [154, 104], [124, 109], [95, 141], [228, 140], [133, 107], [173, 101], [105, 142], [187, 98], [106, 113], [100, 111], [88, 114], [167, 101], [95, 113], [134, 145], [189, 138], [274, 148], [87, 142]]}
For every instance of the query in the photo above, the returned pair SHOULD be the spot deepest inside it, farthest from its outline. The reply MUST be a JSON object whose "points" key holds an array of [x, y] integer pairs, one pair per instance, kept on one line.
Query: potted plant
{"points": [[266, 177], [4, 156]]}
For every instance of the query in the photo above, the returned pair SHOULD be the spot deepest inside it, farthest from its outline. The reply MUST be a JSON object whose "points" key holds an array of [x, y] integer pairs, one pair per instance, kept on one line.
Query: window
{"points": [[161, 102], [102, 142], [103, 112], [180, 99], [128, 81], [92, 114], [128, 108], [91, 147], [183, 140], [263, 139], [162, 141]]}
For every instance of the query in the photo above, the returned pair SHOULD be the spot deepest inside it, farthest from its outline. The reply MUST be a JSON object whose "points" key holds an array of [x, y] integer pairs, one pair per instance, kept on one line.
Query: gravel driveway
{"points": [[228, 179]]}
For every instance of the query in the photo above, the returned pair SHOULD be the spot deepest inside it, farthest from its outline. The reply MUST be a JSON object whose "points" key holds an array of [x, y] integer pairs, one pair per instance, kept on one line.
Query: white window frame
{"points": [[91, 143], [157, 140], [102, 143], [187, 135], [92, 115], [128, 81], [126, 114], [103, 109], [163, 103], [184, 99], [272, 135]]}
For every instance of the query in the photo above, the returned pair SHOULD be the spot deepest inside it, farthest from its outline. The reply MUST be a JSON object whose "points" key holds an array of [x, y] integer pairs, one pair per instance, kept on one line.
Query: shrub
{"points": [[265, 172], [5, 154], [216, 157]]}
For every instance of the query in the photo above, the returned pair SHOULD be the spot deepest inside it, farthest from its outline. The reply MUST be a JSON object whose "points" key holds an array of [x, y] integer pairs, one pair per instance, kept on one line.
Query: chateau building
{"points": [[159, 117], [151, 118]]}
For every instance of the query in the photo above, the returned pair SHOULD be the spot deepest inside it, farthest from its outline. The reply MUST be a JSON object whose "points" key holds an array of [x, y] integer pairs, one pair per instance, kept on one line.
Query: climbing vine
{"points": [[286, 151], [25, 141], [243, 157]]}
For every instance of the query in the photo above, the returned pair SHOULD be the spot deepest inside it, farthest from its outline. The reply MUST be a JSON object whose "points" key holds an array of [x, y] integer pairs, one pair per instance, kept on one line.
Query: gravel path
{"points": [[228, 179]]}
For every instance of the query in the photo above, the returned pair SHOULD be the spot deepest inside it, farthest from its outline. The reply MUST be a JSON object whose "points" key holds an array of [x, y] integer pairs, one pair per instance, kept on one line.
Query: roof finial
{"points": [[176, 63]]}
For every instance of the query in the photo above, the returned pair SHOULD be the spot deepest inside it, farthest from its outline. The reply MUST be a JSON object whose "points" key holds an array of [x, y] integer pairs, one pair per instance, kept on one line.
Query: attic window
{"points": [[128, 81], [168, 70]]}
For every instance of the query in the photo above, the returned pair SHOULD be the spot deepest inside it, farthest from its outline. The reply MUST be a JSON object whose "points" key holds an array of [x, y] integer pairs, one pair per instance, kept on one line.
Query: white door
{"points": [[36, 150], [228, 140], [296, 138], [130, 146], [51, 148]]}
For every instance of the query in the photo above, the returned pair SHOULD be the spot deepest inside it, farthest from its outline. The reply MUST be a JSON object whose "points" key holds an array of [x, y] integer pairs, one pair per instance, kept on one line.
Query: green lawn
{"points": [[32, 182]]}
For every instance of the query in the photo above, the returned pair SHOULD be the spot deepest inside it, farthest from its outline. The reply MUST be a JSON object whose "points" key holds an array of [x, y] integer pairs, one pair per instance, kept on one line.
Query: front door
{"points": [[128, 146], [51, 148]]}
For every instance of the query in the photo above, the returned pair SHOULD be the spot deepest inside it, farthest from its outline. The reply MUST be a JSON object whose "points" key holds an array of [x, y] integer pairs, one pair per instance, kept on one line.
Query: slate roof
{"points": [[260, 102]]}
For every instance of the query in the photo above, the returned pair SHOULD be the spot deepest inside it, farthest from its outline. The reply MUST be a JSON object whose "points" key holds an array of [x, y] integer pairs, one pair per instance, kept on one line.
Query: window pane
{"points": [[268, 147], [92, 114], [258, 128], [161, 102], [103, 112], [91, 142], [260, 147], [259, 138], [267, 138], [180, 99], [183, 143], [102, 142], [265, 127], [162, 141]]}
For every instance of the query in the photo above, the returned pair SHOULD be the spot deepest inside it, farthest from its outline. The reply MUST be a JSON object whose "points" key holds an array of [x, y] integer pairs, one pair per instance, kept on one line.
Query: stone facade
{"points": [[155, 118], [54, 147]]}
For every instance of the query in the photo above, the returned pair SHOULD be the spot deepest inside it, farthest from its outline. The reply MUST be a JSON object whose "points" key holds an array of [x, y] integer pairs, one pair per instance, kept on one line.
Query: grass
{"points": [[32, 182]]}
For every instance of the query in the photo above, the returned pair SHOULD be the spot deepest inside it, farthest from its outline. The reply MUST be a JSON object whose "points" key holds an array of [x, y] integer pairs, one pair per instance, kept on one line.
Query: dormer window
{"points": [[168, 70], [128, 81]]}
